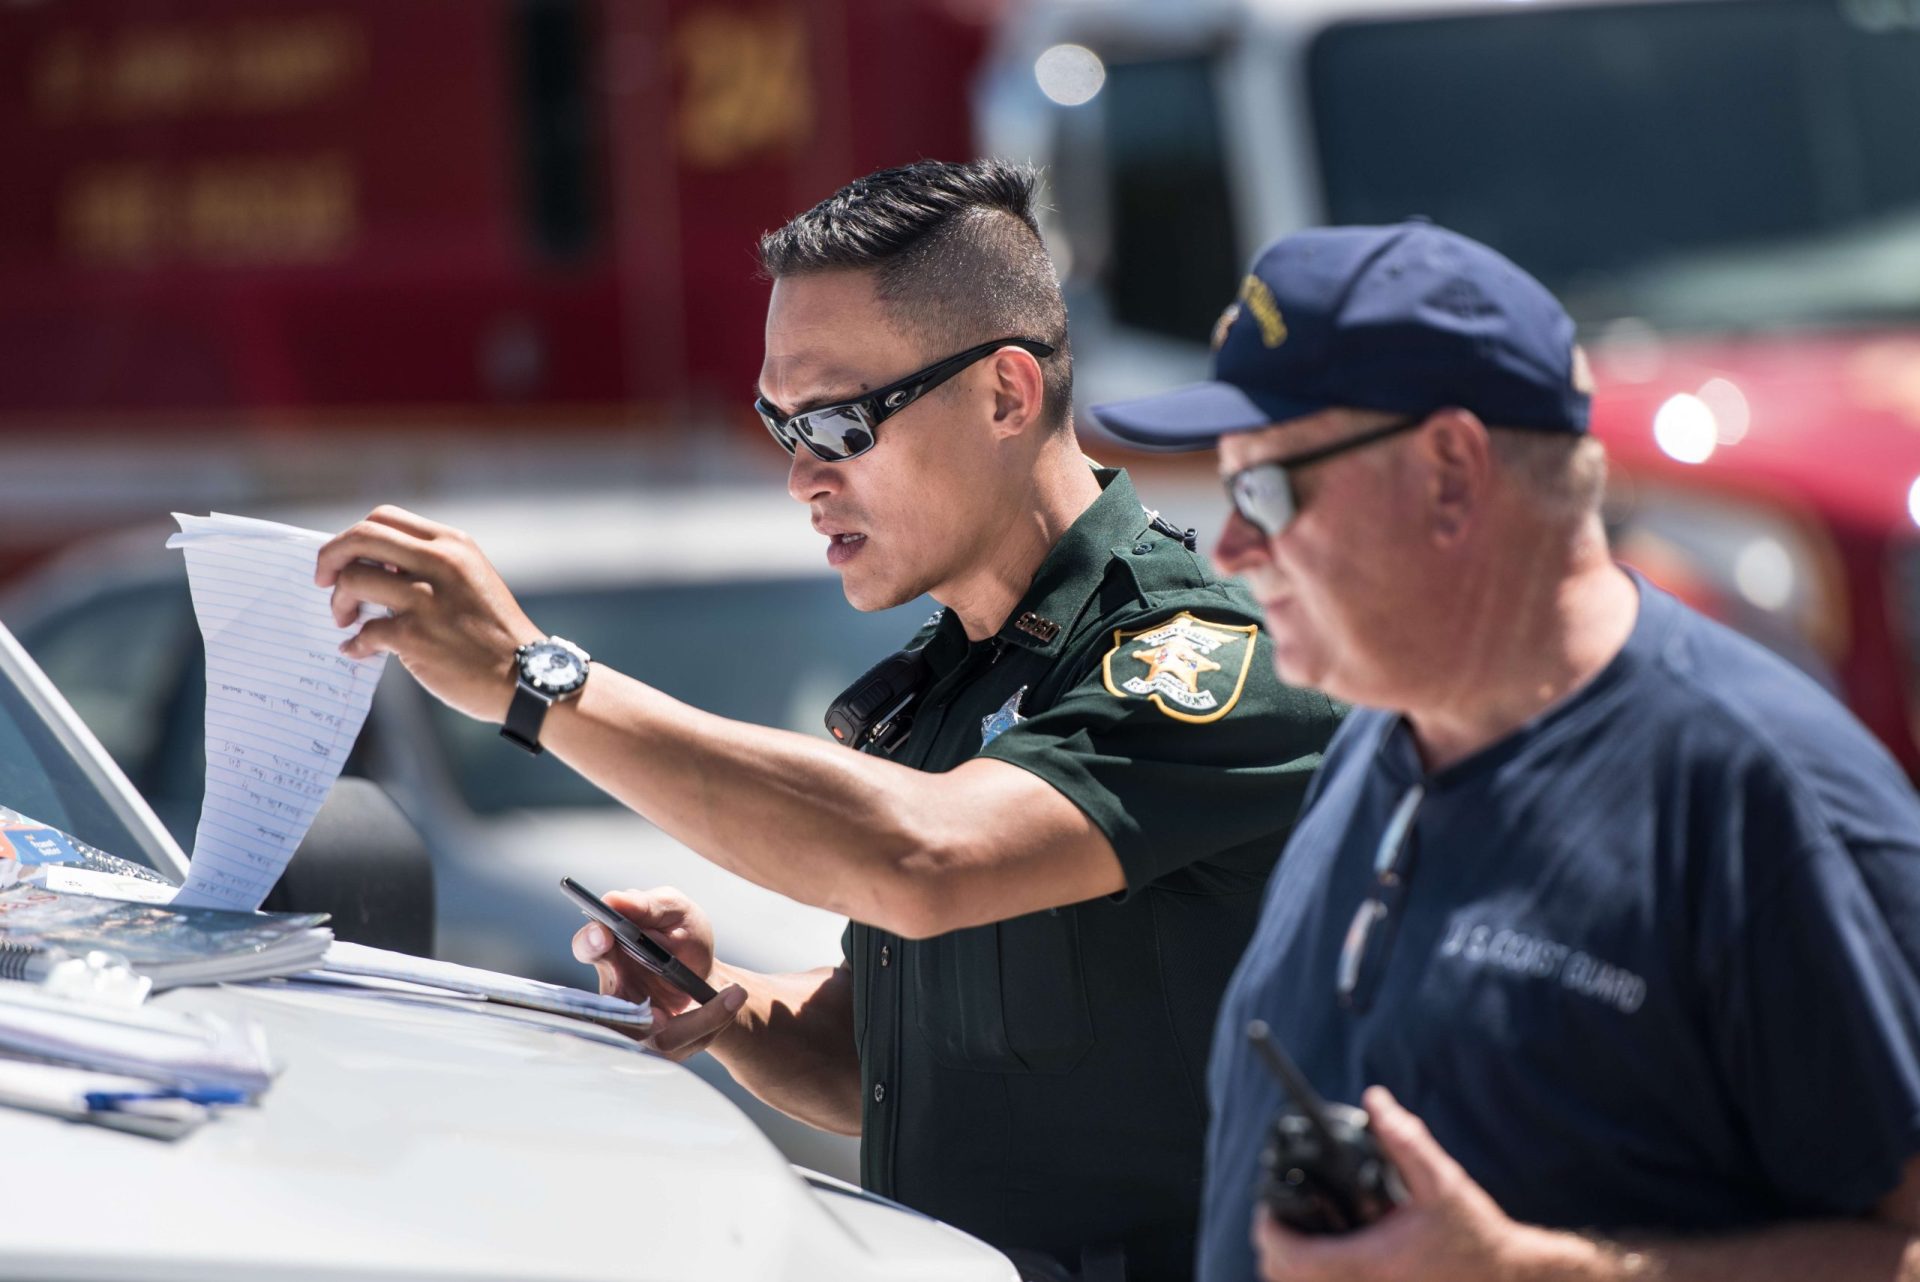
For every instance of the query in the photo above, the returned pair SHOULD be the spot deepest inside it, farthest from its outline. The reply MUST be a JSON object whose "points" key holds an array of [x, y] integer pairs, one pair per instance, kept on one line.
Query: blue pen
{"points": [[110, 1101]]}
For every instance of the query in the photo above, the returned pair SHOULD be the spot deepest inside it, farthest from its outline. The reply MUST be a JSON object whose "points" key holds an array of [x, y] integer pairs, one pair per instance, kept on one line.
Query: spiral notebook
{"points": [[168, 944]]}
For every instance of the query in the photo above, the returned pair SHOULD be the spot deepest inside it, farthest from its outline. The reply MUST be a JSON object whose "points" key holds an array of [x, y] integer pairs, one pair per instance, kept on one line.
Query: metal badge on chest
{"points": [[992, 727]]}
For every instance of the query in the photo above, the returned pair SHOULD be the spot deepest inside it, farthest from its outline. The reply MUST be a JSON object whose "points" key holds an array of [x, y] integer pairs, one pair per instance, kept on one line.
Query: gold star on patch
{"points": [[1179, 658]]}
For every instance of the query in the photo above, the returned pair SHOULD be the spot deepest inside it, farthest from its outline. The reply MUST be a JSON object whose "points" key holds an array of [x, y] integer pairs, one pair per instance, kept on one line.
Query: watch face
{"points": [[553, 669]]}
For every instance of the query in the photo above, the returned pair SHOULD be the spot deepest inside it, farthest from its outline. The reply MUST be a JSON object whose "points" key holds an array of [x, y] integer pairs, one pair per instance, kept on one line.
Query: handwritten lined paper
{"points": [[283, 704]]}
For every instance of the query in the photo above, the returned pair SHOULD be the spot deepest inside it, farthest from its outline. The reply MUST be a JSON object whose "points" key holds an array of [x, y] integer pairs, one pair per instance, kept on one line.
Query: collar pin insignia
{"points": [[1033, 625]]}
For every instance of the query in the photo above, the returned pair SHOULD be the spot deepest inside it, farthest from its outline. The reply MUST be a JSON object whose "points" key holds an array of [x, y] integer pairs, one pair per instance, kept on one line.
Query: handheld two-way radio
{"points": [[1322, 1172], [877, 710]]}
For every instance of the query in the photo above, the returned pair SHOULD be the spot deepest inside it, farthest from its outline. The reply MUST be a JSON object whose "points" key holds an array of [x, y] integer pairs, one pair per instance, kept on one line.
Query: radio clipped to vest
{"points": [[875, 712]]}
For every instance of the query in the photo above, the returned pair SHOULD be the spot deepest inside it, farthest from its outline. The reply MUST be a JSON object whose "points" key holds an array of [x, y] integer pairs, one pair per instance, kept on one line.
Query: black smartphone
{"points": [[640, 945]]}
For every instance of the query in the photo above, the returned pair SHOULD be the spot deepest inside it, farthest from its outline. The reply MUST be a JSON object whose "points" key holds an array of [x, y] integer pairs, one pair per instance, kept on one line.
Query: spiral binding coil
{"points": [[15, 958]]}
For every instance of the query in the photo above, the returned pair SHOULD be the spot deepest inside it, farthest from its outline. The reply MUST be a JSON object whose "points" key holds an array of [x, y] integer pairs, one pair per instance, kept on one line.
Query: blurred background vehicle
{"points": [[1725, 193], [414, 1136]]}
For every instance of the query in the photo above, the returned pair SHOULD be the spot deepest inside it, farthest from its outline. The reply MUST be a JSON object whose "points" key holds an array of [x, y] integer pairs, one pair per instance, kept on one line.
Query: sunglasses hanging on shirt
{"points": [[1363, 953]]}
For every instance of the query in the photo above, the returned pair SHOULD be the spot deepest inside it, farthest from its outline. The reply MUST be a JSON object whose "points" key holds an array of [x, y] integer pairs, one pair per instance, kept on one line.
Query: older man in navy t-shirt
{"points": [[1620, 904]]}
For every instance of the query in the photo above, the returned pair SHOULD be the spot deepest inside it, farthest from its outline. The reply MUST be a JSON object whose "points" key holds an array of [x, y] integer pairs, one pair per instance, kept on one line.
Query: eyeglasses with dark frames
{"points": [[1363, 953], [1263, 493], [846, 429]]}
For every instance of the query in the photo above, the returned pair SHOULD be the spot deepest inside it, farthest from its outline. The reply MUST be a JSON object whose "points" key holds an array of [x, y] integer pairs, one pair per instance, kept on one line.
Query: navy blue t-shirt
{"points": [[1653, 963]]}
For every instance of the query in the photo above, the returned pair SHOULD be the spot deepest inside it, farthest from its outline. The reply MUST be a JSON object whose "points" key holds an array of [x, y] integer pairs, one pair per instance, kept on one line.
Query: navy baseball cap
{"points": [[1410, 318]]}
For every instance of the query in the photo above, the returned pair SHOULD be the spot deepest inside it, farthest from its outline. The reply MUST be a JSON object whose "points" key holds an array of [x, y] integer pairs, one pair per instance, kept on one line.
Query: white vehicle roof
{"points": [[588, 539], [1182, 23], [538, 541]]}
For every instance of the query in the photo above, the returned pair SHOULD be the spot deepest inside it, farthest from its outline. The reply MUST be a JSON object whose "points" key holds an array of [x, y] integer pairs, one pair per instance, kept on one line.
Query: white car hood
{"points": [[430, 1139]]}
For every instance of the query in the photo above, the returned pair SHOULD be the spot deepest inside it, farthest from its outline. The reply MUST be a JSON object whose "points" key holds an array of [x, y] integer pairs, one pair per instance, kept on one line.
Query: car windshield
{"points": [[774, 652], [1697, 165], [43, 780]]}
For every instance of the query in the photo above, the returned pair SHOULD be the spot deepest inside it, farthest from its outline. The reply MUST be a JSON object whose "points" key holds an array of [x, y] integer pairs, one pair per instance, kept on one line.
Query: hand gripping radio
{"points": [[1321, 1172]]}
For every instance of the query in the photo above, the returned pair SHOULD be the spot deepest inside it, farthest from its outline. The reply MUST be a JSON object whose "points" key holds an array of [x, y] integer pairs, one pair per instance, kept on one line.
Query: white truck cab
{"points": [[1725, 194], [1611, 147]]}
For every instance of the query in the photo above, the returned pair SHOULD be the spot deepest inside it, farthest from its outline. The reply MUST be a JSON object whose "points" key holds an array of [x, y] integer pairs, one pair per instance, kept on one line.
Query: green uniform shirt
{"points": [[1041, 1081]]}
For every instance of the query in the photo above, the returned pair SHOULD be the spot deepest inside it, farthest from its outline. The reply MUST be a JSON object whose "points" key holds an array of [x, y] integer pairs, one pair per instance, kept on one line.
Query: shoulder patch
{"points": [[1190, 669]]}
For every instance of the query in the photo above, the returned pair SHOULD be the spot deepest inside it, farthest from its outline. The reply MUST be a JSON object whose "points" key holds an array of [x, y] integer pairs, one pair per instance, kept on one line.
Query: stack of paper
{"points": [[168, 944], [283, 704], [348, 962], [137, 1068], [189, 1050]]}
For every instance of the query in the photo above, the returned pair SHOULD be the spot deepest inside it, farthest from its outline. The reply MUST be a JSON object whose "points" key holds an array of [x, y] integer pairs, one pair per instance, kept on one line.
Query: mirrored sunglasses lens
{"points": [[1263, 497], [842, 431], [832, 435], [804, 429]]}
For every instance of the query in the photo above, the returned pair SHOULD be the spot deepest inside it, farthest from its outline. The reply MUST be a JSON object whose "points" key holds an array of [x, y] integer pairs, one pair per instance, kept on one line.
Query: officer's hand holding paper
{"points": [[455, 624]]}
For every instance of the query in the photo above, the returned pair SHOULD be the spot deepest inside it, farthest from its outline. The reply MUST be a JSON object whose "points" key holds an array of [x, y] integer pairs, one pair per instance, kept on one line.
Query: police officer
{"points": [[1622, 906], [1051, 875]]}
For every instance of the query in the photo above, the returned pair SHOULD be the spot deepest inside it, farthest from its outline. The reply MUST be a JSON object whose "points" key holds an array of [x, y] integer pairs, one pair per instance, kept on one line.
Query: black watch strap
{"points": [[525, 715]]}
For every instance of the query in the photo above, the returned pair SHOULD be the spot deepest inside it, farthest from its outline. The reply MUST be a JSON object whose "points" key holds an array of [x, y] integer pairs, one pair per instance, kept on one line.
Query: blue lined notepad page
{"points": [[283, 704]]}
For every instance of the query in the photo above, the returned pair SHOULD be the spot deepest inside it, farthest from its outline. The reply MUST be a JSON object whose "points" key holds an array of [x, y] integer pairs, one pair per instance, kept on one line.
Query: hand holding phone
{"points": [[638, 944]]}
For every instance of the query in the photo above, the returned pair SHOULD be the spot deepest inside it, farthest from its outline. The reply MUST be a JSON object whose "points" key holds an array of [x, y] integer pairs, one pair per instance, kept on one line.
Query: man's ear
{"points": [[1019, 390], [1458, 456]]}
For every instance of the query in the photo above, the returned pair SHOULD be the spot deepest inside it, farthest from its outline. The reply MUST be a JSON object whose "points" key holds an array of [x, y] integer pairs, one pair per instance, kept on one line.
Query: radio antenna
{"points": [[1304, 1096]]}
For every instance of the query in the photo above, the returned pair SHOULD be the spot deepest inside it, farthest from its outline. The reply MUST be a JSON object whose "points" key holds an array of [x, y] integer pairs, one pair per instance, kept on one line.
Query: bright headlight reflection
{"points": [[1684, 428], [1764, 574], [1070, 74], [1913, 501]]}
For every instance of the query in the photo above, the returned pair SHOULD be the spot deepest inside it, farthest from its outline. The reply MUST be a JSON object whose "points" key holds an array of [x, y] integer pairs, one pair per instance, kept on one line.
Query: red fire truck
{"points": [[243, 246]]}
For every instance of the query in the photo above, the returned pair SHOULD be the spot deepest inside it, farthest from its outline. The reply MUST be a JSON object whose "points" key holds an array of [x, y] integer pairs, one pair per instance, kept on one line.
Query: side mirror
{"points": [[364, 862]]}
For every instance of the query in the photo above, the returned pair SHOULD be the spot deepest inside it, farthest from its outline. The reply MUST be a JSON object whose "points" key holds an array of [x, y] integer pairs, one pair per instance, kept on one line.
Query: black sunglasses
{"points": [[1363, 953], [838, 432], [1263, 494]]}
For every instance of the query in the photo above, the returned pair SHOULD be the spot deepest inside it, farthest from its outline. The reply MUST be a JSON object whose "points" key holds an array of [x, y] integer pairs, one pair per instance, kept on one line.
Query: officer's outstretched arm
{"points": [[911, 852]]}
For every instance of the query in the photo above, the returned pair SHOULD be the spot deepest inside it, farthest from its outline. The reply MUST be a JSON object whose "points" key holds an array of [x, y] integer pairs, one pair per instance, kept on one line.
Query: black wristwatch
{"points": [[548, 671]]}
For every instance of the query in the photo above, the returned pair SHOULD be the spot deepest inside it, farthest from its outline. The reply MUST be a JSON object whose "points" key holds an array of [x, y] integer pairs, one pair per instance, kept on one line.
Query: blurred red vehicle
{"points": [[237, 235]]}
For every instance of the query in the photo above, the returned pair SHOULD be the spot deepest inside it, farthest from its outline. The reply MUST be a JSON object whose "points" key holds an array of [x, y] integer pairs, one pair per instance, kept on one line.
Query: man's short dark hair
{"points": [[956, 252]]}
